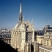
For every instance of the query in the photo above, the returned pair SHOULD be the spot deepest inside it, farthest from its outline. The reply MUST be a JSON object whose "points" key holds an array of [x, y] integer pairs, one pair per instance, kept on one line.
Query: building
{"points": [[45, 40], [23, 36], [5, 35], [39, 36]]}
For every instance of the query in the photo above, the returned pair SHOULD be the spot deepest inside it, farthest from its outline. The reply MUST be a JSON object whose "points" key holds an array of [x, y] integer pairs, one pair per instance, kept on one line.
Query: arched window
{"points": [[28, 36]]}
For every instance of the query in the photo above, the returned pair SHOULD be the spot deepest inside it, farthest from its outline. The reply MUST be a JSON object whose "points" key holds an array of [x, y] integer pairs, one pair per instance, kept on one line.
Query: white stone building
{"points": [[22, 35]]}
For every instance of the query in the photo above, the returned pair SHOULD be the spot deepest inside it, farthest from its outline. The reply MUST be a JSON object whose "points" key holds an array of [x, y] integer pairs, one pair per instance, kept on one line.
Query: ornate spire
{"points": [[20, 17], [20, 7]]}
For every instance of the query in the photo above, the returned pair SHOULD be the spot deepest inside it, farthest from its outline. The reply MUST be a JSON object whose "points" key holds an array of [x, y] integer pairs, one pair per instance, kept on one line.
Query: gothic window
{"points": [[28, 36]]}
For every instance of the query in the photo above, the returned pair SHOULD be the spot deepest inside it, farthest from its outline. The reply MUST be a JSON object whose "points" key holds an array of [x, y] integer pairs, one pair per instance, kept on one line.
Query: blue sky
{"points": [[38, 10]]}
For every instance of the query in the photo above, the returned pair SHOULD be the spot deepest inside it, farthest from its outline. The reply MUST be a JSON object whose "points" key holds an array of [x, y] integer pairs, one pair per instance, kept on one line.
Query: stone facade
{"points": [[22, 35], [45, 41]]}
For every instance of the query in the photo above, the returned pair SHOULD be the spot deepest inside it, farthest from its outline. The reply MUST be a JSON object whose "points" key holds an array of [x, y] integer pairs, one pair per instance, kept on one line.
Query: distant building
{"points": [[5, 35], [39, 36], [47, 27], [45, 40]]}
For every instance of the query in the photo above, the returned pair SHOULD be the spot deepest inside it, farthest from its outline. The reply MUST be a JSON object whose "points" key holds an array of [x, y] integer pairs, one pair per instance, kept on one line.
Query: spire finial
{"points": [[20, 7], [20, 17]]}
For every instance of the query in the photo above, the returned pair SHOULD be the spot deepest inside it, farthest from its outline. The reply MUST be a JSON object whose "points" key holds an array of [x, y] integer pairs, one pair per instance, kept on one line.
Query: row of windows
{"points": [[7, 41], [46, 42], [5, 32], [5, 36]]}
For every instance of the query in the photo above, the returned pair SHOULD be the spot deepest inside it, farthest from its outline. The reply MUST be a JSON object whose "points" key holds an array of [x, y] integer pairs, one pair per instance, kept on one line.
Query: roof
{"points": [[40, 32]]}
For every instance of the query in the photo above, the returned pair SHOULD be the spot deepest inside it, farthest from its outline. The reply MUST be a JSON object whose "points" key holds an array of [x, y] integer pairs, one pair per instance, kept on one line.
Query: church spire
{"points": [[20, 17], [20, 8]]}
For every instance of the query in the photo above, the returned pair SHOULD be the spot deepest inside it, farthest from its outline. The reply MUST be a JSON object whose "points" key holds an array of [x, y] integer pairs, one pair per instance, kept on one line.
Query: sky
{"points": [[38, 10]]}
